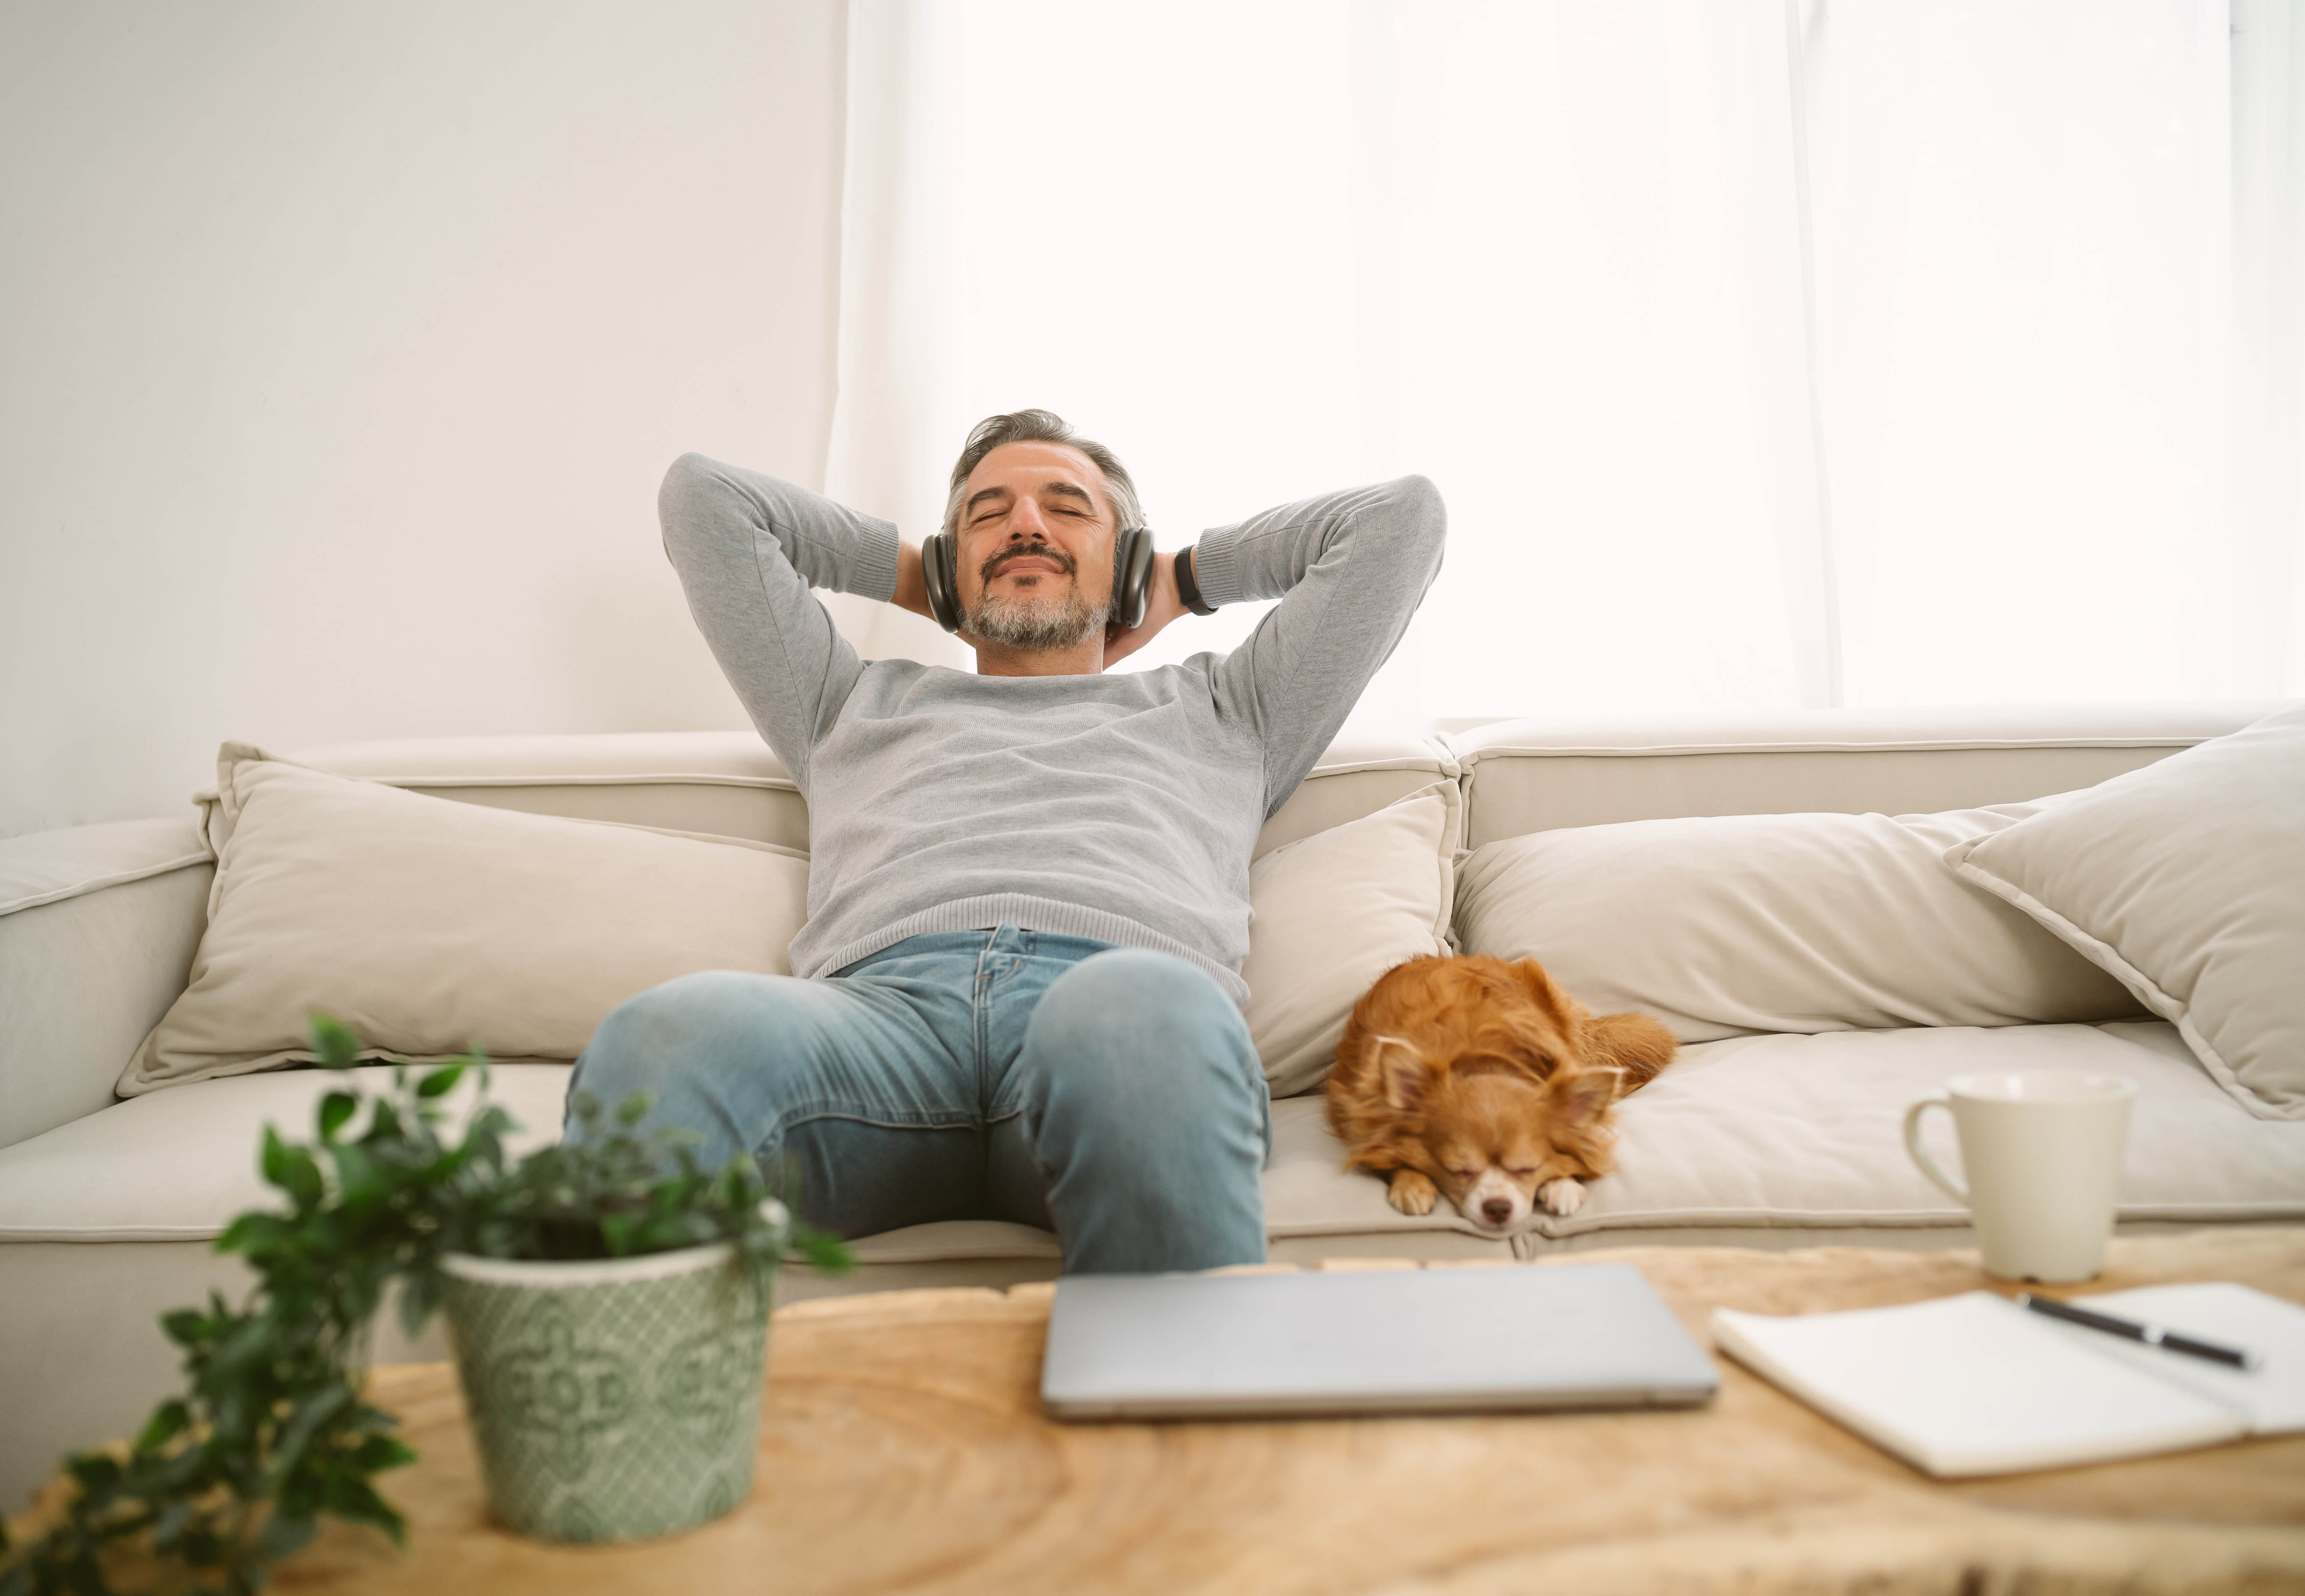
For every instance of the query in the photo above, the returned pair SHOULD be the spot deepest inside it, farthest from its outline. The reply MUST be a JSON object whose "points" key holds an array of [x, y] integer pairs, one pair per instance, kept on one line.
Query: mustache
{"points": [[999, 562]]}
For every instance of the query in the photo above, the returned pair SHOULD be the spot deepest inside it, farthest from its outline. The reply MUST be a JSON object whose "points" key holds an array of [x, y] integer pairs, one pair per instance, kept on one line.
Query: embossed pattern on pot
{"points": [[607, 1408]]}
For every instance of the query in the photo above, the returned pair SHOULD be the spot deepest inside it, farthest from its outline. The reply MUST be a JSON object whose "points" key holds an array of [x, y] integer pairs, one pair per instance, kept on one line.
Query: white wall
{"points": [[342, 348]]}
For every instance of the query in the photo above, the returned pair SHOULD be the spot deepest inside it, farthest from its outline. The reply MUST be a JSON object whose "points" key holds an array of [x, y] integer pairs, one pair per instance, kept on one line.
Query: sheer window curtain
{"points": [[1770, 352]]}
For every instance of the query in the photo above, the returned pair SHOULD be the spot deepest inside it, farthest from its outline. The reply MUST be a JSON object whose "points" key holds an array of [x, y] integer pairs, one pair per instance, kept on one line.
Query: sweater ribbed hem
{"points": [[1027, 913], [1216, 572], [872, 562]]}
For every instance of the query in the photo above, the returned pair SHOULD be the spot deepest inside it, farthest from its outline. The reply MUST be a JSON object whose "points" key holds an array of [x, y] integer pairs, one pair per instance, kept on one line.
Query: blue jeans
{"points": [[1111, 1094]]}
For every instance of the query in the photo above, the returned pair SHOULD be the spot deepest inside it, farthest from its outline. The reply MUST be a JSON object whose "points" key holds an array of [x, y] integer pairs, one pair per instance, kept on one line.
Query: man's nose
{"points": [[1026, 524]]}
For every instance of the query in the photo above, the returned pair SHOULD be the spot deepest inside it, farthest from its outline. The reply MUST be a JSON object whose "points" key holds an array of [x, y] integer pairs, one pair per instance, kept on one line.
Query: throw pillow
{"points": [[2186, 880], [1333, 912], [1731, 925], [427, 924]]}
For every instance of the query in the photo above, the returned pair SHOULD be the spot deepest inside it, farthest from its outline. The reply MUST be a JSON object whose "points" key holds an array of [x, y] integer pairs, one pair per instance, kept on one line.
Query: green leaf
{"points": [[420, 1299], [254, 1230], [94, 1470], [441, 1082], [300, 1178], [632, 1110], [335, 1108], [170, 1419], [313, 1414], [356, 1499], [381, 1452], [337, 1043], [272, 1159], [825, 1253], [285, 1532]]}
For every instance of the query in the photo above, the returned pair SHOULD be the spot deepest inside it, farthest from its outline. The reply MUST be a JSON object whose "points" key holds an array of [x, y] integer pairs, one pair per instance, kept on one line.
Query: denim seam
{"points": [[979, 1013], [809, 1117]]}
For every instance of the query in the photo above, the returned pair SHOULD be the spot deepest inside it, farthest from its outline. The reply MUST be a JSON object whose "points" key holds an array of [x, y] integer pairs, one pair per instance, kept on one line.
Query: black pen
{"points": [[2150, 1335]]}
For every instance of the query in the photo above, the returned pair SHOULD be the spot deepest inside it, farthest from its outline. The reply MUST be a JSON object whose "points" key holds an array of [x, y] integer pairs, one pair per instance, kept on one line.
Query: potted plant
{"points": [[609, 1304]]}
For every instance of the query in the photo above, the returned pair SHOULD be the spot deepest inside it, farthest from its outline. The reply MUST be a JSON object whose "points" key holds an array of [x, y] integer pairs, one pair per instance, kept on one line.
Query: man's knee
{"points": [[1146, 1030], [682, 1036]]}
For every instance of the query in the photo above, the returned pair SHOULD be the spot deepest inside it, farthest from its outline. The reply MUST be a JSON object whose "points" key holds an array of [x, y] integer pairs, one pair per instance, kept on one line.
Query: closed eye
{"points": [[1462, 1175], [1520, 1171]]}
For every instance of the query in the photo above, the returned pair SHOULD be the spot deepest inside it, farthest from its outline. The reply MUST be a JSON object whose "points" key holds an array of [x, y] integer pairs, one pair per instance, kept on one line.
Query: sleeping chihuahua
{"points": [[1482, 1079]]}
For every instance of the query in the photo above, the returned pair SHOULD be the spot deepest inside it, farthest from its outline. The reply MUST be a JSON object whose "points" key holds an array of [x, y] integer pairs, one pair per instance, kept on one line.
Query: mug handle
{"points": [[1957, 1192]]}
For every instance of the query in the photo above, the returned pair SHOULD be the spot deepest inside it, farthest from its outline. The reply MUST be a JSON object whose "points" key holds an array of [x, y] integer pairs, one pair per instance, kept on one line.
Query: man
{"points": [[1017, 993]]}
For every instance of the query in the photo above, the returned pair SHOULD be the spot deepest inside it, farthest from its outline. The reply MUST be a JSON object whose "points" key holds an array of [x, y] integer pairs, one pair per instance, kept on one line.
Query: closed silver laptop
{"points": [[1175, 1346]]}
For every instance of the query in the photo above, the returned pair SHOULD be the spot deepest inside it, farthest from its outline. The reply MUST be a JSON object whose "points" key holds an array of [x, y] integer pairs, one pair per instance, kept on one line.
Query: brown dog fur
{"points": [[1482, 1080]]}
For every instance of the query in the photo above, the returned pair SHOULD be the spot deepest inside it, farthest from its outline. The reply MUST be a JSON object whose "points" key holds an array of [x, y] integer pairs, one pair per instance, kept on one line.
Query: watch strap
{"points": [[1188, 588]]}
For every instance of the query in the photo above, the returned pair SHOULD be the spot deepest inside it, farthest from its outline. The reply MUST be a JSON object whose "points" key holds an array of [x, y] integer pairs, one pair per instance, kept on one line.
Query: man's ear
{"points": [[1579, 1098], [1402, 1071]]}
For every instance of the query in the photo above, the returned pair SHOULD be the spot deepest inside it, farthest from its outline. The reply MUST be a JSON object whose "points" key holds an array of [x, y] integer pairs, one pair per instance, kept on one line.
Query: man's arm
{"points": [[748, 548], [1350, 569]]}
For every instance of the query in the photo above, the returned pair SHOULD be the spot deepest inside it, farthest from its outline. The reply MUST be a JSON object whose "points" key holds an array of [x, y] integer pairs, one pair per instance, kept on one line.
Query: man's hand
{"points": [[1162, 606], [912, 588]]}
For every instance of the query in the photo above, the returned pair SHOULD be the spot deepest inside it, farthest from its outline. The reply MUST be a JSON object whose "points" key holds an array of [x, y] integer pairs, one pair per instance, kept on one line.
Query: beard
{"points": [[1030, 621]]}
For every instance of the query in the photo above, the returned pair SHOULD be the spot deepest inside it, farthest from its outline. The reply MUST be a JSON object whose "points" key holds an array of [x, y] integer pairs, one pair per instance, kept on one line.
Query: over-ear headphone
{"points": [[1132, 577]]}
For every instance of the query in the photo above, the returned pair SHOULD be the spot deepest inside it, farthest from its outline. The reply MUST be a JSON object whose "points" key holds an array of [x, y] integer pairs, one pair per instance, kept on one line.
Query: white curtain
{"points": [[1769, 353]]}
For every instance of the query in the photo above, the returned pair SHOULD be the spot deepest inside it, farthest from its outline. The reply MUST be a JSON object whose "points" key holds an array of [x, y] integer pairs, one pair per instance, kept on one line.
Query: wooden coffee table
{"points": [[902, 1449]]}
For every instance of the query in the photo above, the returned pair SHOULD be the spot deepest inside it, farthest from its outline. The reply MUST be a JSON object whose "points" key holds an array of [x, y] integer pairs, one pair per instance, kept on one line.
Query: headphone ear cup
{"points": [[940, 574], [1132, 576]]}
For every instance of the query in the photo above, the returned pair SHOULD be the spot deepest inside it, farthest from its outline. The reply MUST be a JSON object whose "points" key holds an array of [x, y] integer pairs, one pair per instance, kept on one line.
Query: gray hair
{"points": [[1041, 426]]}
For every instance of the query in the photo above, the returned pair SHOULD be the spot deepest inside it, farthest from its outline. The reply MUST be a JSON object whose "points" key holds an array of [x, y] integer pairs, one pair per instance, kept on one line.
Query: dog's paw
{"points": [[1564, 1197], [1411, 1192]]}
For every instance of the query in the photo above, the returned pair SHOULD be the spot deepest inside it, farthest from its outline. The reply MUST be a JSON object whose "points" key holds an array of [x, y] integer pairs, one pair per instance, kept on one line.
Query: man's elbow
{"points": [[683, 481], [685, 499], [1422, 515]]}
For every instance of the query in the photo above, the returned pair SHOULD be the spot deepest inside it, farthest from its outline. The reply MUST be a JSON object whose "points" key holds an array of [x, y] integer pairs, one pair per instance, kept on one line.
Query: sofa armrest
{"points": [[97, 929]]}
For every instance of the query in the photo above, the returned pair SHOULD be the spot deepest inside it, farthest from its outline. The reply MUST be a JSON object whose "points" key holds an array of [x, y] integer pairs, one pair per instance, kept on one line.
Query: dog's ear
{"points": [[1634, 1043], [1578, 1096], [1402, 1070], [1530, 976]]}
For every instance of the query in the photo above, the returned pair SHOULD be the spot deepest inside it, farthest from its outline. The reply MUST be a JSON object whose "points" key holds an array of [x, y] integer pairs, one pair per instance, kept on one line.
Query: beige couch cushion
{"points": [[1335, 911], [1732, 925], [178, 1165], [1536, 775], [2186, 880], [1801, 1133], [429, 925], [1753, 1133], [727, 783], [97, 928]]}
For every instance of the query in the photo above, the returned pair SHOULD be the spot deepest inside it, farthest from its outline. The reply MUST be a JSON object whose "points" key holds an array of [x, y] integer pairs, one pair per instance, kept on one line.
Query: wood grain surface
{"points": [[902, 1449]]}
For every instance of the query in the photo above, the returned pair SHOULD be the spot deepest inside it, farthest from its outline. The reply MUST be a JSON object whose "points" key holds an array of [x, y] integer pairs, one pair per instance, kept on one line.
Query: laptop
{"points": [[1414, 1341]]}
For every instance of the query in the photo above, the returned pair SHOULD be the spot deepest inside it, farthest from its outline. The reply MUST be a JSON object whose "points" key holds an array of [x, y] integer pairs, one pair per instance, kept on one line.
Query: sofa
{"points": [[1778, 1125]]}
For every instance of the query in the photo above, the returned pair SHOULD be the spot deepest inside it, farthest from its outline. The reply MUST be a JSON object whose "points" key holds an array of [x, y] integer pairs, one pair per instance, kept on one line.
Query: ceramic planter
{"points": [[613, 1400]]}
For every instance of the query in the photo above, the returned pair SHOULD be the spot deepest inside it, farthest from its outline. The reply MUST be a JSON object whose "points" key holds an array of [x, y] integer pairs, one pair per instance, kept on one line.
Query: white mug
{"points": [[2042, 1150]]}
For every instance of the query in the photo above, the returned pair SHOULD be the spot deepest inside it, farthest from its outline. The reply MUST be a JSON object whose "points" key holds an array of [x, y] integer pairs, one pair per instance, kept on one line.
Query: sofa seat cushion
{"points": [[1804, 1132], [178, 1165], [1807, 1132], [1792, 1134]]}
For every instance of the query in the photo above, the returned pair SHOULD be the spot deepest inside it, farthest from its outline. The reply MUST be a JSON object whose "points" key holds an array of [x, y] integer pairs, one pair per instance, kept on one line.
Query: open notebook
{"points": [[1976, 1385]]}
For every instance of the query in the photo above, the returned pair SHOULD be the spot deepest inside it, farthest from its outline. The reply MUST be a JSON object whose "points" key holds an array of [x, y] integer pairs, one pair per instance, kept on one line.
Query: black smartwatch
{"points": [[1188, 589]]}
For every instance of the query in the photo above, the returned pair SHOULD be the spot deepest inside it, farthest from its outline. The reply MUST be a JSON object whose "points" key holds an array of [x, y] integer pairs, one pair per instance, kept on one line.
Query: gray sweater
{"points": [[1122, 807]]}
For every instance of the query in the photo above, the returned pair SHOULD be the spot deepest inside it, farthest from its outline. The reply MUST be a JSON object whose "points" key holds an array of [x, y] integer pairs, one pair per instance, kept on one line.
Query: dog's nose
{"points": [[1496, 1210]]}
